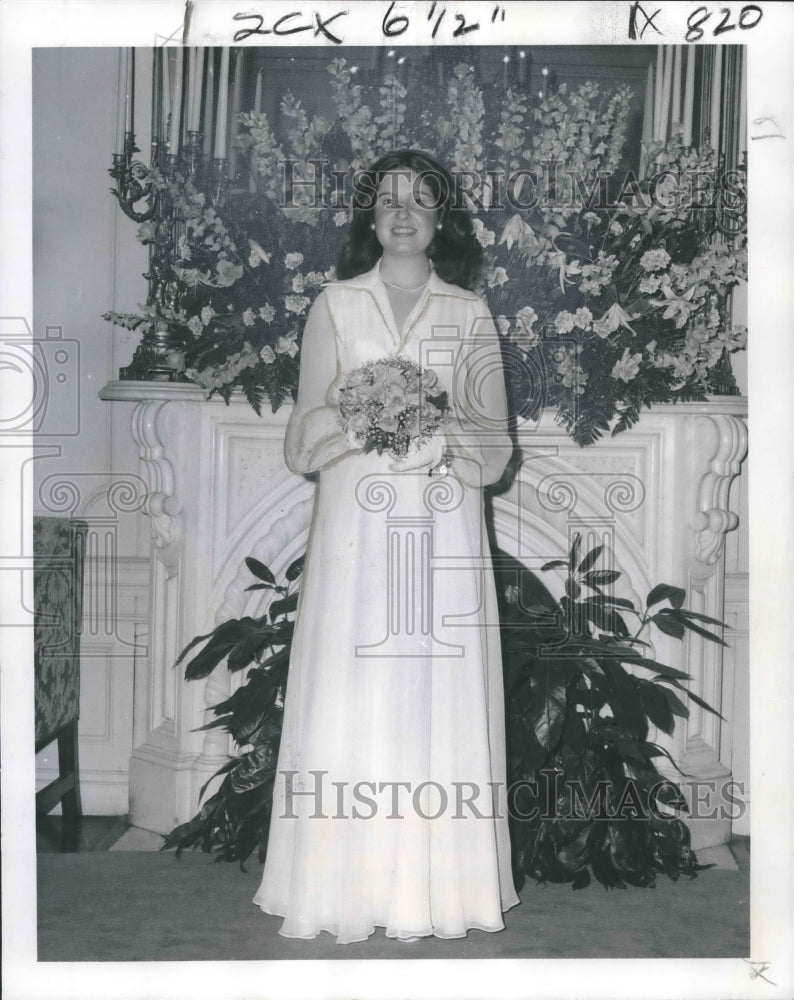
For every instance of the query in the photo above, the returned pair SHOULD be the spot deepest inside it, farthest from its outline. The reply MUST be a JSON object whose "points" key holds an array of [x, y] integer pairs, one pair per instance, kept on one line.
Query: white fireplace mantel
{"points": [[659, 496]]}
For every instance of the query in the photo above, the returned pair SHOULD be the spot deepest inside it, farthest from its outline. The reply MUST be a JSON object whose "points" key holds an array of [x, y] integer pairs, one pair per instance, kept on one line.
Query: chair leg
{"points": [[68, 764]]}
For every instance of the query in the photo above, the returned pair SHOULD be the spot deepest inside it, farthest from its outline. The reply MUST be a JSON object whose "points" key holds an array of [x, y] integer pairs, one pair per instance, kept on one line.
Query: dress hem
{"points": [[392, 936]]}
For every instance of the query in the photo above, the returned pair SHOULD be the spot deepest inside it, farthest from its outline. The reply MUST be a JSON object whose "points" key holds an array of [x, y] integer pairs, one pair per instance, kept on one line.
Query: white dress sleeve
{"points": [[477, 436], [314, 438]]}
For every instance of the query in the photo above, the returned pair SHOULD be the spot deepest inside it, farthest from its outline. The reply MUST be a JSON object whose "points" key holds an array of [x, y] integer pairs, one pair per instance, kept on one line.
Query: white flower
{"points": [[298, 283], [287, 345], [248, 317], [257, 255], [293, 260], [628, 367], [655, 260], [676, 307], [649, 284], [296, 303], [267, 354], [583, 318], [527, 316], [267, 313], [485, 237], [206, 315], [564, 322], [650, 347], [195, 327], [614, 317], [503, 325], [497, 276], [516, 230], [615, 228], [340, 218], [176, 359], [330, 274]]}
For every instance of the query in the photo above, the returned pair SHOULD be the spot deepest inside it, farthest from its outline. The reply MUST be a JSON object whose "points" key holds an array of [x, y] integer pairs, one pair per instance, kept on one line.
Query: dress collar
{"points": [[371, 280]]}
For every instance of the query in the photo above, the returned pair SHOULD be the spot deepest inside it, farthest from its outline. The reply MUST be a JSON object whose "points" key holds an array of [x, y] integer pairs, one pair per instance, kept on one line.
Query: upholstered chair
{"points": [[58, 552]]}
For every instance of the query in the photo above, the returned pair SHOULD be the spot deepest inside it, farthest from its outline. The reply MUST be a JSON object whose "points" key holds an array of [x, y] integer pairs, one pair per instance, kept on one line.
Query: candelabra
{"points": [[143, 195]]}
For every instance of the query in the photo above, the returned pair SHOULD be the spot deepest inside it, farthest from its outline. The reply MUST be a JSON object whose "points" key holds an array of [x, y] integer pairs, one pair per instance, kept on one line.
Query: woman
{"points": [[384, 811]]}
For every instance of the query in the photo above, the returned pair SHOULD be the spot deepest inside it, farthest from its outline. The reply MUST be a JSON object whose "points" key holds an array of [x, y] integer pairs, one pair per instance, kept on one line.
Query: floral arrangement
{"points": [[616, 289], [392, 405]]}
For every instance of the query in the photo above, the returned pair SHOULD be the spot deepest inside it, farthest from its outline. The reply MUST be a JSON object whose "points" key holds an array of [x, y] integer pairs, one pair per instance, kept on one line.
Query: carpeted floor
{"points": [[142, 906]]}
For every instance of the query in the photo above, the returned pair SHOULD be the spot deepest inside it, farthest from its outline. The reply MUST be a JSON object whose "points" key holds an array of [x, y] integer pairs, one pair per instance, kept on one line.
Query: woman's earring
{"points": [[439, 225], [372, 226]]}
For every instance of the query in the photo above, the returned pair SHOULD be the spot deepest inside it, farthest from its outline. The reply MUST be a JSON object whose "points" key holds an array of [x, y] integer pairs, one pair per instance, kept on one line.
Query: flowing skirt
{"points": [[389, 806]]}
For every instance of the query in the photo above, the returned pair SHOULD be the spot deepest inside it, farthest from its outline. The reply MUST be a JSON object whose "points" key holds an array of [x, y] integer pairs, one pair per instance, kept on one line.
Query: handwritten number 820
{"points": [[749, 16]]}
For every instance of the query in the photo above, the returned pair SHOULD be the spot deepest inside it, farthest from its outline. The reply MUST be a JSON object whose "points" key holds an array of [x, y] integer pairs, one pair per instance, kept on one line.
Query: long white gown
{"points": [[389, 807]]}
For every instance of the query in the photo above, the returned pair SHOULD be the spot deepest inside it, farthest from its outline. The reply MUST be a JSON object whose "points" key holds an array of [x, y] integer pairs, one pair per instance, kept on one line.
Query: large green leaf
{"points": [[655, 704], [295, 569], [600, 577], [192, 645], [573, 555], [699, 701], [550, 679], [283, 606], [590, 559], [253, 768], [664, 591], [668, 623], [260, 570], [250, 646]]}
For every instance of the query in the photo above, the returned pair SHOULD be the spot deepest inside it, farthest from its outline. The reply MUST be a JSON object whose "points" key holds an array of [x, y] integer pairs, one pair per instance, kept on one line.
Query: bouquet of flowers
{"points": [[392, 405]]}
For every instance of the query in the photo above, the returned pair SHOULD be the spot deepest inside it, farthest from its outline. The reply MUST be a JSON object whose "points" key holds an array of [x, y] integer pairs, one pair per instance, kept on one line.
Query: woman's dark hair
{"points": [[454, 250]]}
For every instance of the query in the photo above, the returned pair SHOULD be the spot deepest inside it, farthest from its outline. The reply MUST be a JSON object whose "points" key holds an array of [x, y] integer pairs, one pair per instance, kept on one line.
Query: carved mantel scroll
{"points": [[723, 438]]}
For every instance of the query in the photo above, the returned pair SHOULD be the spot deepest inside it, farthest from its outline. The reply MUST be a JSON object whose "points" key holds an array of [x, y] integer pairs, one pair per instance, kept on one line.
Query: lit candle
{"points": [[716, 98], [522, 66], [129, 102], [258, 94], [544, 74], [156, 91], [689, 95], [676, 113], [121, 105], [176, 104], [194, 123], [165, 62], [209, 97], [506, 70], [647, 121], [743, 104], [666, 92], [238, 81], [223, 100], [257, 111], [191, 85], [657, 97]]}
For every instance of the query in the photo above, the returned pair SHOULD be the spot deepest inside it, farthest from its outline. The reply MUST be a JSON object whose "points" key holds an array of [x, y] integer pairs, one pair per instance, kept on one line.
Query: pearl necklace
{"points": [[402, 288]]}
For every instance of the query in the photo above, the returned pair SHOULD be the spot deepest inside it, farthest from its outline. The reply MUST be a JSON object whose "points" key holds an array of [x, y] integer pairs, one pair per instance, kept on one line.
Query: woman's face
{"points": [[405, 213]]}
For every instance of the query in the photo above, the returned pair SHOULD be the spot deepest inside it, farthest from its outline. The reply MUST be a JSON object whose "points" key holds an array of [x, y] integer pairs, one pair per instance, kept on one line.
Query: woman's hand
{"points": [[428, 454]]}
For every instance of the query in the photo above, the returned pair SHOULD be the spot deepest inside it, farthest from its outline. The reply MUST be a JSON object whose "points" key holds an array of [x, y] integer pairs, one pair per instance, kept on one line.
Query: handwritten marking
{"points": [[758, 973], [280, 28], [768, 135], [637, 8]]}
